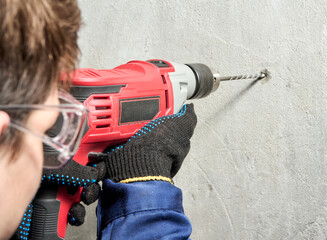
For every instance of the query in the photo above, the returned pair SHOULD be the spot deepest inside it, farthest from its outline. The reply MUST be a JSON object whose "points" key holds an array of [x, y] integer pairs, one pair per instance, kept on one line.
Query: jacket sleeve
{"points": [[141, 210]]}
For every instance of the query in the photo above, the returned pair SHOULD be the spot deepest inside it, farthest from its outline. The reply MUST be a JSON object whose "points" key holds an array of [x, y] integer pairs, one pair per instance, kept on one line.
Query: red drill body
{"points": [[120, 101]]}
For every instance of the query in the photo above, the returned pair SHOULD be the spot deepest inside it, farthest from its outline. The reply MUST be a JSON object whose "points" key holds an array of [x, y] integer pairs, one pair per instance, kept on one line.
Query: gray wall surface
{"points": [[257, 165]]}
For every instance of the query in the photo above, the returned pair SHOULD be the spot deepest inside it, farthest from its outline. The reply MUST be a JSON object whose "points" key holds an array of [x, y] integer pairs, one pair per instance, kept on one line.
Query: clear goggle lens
{"points": [[61, 142]]}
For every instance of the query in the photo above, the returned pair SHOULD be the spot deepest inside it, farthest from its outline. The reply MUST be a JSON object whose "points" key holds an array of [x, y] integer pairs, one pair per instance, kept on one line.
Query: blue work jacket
{"points": [[141, 211]]}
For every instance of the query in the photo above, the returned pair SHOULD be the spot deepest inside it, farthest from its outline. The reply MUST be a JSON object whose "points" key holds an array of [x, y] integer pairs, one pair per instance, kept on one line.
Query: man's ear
{"points": [[4, 121]]}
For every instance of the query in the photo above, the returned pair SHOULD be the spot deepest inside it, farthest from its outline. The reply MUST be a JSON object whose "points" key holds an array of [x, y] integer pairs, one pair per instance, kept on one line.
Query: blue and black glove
{"points": [[155, 152], [72, 175]]}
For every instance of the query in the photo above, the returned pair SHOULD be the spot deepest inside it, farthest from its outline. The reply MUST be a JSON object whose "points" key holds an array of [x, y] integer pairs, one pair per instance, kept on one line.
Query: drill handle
{"points": [[45, 215]]}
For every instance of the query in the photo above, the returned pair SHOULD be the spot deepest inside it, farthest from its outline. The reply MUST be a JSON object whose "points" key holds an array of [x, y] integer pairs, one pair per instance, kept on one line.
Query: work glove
{"points": [[155, 152], [78, 176]]}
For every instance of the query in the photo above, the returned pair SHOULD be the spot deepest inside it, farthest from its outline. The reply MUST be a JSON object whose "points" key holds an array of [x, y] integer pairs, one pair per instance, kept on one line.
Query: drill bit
{"points": [[263, 75]]}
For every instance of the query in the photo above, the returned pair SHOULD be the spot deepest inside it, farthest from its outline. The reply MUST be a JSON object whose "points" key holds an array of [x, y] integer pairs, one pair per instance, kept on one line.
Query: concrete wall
{"points": [[257, 166]]}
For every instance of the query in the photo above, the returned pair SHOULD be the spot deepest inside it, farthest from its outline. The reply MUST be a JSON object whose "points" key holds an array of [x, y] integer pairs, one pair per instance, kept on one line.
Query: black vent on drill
{"points": [[81, 93], [138, 109], [159, 63], [103, 111]]}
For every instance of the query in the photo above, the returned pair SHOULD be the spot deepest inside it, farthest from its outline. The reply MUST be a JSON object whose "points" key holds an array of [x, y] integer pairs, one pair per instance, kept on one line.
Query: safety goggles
{"points": [[61, 142]]}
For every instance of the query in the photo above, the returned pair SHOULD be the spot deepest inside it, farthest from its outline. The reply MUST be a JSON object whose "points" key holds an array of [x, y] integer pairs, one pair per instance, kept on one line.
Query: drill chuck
{"points": [[208, 82], [205, 81]]}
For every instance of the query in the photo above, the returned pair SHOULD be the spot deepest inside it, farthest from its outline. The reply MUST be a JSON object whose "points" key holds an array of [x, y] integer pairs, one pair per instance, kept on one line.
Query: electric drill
{"points": [[120, 101]]}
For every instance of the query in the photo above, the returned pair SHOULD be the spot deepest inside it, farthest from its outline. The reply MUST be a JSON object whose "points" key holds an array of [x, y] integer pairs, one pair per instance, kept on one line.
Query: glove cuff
{"points": [[137, 164], [147, 178]]}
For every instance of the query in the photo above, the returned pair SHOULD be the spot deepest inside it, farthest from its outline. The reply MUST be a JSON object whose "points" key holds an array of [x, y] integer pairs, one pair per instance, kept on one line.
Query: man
{"points": [[139, 200], [38, 42]]}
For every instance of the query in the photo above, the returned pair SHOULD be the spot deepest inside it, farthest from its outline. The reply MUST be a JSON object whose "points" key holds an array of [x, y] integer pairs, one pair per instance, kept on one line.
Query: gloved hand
{"points": [[78, 176], [155, 152]]}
